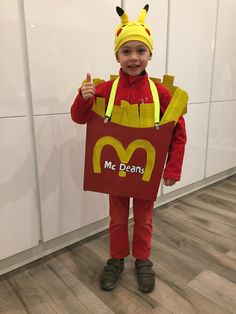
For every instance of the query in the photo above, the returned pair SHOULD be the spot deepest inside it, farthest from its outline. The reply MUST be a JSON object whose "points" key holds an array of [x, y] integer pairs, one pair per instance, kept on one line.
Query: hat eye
{"points": [[118, 32], [148, 31]]}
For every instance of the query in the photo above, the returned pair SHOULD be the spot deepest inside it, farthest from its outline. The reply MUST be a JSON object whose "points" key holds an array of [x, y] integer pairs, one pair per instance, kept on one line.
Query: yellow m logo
{"points": [[125, 154]]}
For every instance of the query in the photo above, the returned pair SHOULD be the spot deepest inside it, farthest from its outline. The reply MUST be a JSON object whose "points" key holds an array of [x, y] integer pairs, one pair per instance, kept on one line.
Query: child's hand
{"points": [[169, 182], [88, 88]]}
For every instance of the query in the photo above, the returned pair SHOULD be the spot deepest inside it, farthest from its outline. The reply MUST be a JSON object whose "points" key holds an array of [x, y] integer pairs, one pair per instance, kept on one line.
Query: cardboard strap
{"points": [[112, 98], [154, 96], [156, 102]]}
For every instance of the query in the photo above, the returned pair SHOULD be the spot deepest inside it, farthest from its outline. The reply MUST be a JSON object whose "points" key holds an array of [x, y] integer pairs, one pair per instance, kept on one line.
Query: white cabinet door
{"points": [[12, 96], [18, 215], [19, 224], [67, 39], [224, 80], [221, 154]]}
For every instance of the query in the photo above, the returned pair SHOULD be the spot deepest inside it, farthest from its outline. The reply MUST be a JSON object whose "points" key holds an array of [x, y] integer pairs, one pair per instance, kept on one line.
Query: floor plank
{"points": [[232, 254], [222, 291], [42, 292], [184, 222], [161, 310], [204, 253], [9, 301], [91, 302]]}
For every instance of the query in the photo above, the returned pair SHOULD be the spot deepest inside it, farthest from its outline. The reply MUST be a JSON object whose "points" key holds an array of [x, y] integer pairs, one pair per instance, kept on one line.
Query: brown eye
{"points": [[142, 50], [118, 32]]}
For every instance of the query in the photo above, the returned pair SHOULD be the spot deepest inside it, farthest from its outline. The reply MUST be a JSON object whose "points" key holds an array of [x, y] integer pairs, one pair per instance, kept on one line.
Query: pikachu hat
{"points": [[134, 30]]}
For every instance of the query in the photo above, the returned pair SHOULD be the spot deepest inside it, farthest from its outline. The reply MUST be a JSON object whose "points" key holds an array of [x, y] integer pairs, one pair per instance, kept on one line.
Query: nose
{"points": [[133, 56]]}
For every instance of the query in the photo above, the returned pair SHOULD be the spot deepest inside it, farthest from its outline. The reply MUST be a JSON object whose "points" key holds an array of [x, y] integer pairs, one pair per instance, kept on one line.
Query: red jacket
{"points": [[136, 90]]}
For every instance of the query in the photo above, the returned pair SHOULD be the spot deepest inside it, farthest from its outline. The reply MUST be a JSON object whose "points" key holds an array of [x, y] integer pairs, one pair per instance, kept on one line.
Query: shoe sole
{"points": [[146, 290], [115, 284], [111, 287]]}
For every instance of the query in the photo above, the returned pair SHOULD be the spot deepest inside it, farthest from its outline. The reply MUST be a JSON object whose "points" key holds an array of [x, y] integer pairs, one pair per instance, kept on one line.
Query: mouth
{"points": [[133, 66]]}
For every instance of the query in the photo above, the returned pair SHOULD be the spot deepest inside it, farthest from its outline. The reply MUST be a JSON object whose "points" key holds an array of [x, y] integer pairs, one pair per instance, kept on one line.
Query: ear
{"points": [[150, 57], [117, 58], [123, 16]]}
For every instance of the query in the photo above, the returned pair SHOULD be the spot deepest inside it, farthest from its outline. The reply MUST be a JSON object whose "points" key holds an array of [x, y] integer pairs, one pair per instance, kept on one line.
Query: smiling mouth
{"points": [[133, 66]]}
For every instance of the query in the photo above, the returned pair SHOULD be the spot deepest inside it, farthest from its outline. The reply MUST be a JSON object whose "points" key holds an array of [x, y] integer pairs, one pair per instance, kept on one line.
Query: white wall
{"points": [[65, 39]]}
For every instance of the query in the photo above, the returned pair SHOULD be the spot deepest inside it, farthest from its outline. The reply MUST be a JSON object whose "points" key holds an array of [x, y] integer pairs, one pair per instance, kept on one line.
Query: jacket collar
{"points": [[128, 80]]}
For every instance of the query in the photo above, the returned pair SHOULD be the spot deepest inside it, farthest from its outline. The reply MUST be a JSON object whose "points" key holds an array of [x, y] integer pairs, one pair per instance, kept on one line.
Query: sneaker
{"points": [[145, 275], [111, 273]]}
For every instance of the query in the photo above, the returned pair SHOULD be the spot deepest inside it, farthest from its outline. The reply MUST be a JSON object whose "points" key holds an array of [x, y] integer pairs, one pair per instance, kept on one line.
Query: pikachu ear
{"points": [[123, 16], [143, 14]]}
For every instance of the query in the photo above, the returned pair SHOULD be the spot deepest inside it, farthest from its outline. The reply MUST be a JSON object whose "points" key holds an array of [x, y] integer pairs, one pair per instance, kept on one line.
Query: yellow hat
{"points": [[134, 30]]}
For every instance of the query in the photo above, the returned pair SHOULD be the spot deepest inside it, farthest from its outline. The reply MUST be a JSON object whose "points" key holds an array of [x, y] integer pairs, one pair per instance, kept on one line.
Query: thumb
{"points": [[88, 78]]}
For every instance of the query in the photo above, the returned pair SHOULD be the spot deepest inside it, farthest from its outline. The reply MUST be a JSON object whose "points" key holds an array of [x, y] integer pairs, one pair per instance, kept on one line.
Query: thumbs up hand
{"points": [[88, 88]]}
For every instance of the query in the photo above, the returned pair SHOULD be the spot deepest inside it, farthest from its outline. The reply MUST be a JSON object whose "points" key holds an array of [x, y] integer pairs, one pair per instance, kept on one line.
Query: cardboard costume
{"points": [[129, 135]]}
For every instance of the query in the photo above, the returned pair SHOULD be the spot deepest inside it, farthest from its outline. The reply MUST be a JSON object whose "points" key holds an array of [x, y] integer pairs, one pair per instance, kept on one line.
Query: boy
{"points": [[133, 51]]}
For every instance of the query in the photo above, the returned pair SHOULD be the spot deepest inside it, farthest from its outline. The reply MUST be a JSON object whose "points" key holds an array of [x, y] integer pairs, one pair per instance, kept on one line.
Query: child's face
{"points": [[133, 57]]}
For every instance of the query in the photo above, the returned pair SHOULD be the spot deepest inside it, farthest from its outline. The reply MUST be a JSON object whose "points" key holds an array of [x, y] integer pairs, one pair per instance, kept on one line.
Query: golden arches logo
{"points": [[125, 154]]}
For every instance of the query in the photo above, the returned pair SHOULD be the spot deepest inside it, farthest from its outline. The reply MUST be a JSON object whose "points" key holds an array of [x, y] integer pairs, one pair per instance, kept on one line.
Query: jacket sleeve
{"points": [[176, 149], [81, 109]]}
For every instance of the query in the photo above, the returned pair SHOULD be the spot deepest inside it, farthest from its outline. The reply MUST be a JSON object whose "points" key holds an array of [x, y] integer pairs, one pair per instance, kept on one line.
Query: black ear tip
{"points": [[146, 7], [119, 11]]}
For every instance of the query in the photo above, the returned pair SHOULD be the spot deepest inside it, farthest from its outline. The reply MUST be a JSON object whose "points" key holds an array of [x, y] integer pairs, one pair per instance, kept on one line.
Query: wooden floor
{"points": [[194, 253]]}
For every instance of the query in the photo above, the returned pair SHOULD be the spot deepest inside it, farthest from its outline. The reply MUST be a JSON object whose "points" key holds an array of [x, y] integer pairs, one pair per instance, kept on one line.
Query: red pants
{"points": [[142, 234]]}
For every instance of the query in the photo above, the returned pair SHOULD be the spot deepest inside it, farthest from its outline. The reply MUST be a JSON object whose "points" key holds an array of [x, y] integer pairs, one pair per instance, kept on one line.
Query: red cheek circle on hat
{"points": [[148, 31], [118, 32]]}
